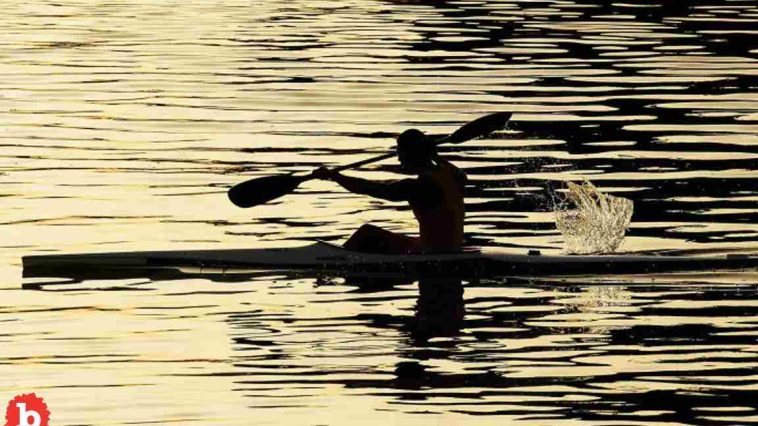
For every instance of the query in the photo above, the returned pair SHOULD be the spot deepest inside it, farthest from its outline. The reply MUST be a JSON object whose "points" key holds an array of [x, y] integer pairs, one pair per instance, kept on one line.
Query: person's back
{"points": [[441, 213]]}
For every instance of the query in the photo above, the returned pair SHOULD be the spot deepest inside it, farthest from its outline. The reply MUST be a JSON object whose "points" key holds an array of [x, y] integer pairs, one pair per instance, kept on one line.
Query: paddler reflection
{"points": [[435, 196], [440, 309]]}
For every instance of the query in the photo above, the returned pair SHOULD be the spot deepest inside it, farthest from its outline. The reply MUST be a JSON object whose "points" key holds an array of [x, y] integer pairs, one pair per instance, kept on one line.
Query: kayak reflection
{"points": [[439, 309]]}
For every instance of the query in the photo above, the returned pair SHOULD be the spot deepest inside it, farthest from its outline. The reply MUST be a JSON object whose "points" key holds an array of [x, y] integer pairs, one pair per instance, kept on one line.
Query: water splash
{"points": [[592, 222]]}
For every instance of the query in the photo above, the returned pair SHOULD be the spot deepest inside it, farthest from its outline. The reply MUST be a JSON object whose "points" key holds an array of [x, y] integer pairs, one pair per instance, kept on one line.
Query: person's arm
{"points": [[402, 190]]}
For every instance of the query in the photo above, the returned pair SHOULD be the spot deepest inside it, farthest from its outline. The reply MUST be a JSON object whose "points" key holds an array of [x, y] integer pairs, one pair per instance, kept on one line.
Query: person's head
{"points": [[415, 150]]}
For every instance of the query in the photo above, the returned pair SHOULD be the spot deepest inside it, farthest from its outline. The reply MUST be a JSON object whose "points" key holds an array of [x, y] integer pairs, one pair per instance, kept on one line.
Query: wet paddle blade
{"points": [[264, 189], [480, 127]]}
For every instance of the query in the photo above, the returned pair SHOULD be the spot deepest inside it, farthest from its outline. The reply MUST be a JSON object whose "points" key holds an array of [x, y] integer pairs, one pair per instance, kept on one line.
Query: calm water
{"points": [[123, 123]]}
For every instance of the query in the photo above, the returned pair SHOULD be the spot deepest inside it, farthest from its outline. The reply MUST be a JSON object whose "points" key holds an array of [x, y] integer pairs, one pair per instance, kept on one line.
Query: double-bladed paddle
{"points": [[257, 191]]}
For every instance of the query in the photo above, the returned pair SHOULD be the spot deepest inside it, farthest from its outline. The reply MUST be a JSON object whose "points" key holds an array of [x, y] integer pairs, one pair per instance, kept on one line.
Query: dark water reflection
{"points": [[648, 352]]}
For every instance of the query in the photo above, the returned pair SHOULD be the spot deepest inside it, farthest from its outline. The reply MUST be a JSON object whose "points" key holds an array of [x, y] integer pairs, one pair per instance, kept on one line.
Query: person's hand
{"points": [[324, 173]]}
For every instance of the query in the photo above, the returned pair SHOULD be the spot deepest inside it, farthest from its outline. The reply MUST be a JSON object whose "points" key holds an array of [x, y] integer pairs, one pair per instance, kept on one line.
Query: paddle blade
{"points": [[257, 191], [482, 126]]}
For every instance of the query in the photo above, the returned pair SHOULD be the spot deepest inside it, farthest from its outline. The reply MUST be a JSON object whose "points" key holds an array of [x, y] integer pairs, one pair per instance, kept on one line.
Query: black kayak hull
{"points": [[328, 258]]}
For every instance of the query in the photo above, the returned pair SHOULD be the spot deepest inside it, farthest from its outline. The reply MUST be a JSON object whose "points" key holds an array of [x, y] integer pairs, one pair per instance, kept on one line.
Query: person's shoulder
{"points": [[407, 185], [458, 173]]}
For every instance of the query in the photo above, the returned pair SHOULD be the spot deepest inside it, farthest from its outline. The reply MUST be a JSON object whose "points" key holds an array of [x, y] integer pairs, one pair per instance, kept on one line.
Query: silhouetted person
{"points": [[435, 196]]}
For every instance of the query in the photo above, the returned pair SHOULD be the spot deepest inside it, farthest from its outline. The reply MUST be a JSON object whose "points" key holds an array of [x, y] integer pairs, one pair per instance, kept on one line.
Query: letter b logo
{"points": [[24, 415], [27, 410]]}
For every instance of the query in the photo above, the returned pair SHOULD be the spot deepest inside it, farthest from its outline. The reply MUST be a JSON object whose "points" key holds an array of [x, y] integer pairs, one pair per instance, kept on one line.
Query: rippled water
{"points": [[123, 123]]}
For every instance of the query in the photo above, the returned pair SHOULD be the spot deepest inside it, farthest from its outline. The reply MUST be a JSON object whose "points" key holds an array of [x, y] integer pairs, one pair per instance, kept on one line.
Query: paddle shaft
{"points": [[480, 127], [364, 162], [360, 163], [356, 164], [448, 139]]}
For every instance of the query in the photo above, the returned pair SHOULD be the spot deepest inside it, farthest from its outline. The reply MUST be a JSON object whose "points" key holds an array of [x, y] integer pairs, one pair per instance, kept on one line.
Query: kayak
{"points": [[324, 257]]}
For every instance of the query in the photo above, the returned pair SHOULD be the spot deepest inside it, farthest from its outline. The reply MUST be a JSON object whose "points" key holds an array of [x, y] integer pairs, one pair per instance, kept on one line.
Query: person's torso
{"points": [[441, 221]]}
